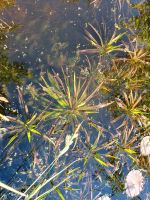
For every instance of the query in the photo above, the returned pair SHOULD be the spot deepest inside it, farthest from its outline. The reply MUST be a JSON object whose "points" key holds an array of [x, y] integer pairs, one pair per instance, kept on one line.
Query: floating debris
{"points": [[134, 183], [145, 146]]}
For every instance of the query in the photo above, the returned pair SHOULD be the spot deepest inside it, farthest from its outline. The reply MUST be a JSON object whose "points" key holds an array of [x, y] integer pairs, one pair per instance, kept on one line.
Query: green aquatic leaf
{"points": [[29, 136], [115, 39], [70, 189], [60, 194], [130, 151], [110, 156], [101, 161], [32, 119], [11, 140], [134, 160], [35, 131]]}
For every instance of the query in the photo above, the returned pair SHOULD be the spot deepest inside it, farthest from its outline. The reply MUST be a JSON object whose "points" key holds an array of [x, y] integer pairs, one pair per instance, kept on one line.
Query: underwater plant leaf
{"points": [[3, 99], [130, 151], [90, 51], [4, 118], [60, 194], [29, 136], [100, 161], [134, 160], [35, 131], [115, 39], [69, 140], [113, 157], [11, 189], [32, 119], [40, 197], [70, 189], [11, 140], [41, 185], [98, 34]]}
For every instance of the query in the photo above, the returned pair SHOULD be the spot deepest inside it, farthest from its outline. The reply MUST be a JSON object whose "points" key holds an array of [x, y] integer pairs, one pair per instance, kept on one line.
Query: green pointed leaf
{"points": [[32, 119], [134, 160], [60, 194], [100, 161], [35, 131], [11, 140], [130, 151], [29, 136]]}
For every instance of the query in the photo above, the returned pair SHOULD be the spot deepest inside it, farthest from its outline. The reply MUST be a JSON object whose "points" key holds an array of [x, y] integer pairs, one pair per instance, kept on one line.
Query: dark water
{"points": [[46, 36]]}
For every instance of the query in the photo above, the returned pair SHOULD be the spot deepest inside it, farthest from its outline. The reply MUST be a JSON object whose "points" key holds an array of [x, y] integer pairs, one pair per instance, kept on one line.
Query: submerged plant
{"points": [[137, 55], [130, 106], [72, 100], [2, 116], [28, 127], [96, 3], [25, 125], [102, 47], [6, 3]]}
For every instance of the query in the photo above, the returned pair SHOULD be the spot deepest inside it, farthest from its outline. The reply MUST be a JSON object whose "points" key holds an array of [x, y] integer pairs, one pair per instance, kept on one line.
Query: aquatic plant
{"points": [[65, 115], [103, 47], [96, 3], [2, 116], [137, 56], [130, 105], [6, 3], [71, 99], [7, 187], [25, 125], [134, 183], [139, 24], [22, 127], [93, 149]]}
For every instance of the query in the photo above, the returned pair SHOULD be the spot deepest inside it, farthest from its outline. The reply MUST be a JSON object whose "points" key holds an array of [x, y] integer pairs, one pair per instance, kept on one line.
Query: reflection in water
{"points": [[46, 23], [10, 72], [96, 153]]}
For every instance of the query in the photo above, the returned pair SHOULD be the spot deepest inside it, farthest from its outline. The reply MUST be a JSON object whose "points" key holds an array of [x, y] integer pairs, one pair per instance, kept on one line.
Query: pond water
{"points": [[99, 48]]}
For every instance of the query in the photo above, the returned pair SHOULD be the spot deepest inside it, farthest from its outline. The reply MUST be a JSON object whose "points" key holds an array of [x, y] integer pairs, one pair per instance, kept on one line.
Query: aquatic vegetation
{"points": [[134, 183], [145, 146], [130, 106], [93, 150], [140, 23], [96, 3], [136, 57], [103, 47], [11, 189], [80, 148], [28, 127], [19, 126], [6, 3], [2, 116], [73, 98]]}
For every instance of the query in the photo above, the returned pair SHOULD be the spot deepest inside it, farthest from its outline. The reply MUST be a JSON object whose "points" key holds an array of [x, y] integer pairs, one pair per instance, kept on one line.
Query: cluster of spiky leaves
{"points": [[102, 47], [73, 97]]}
